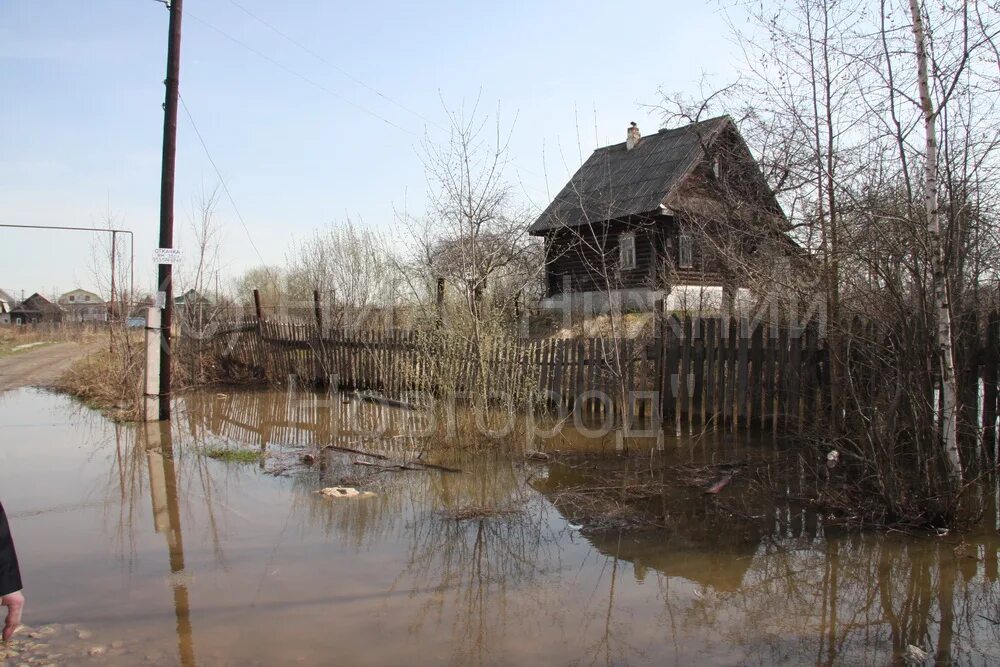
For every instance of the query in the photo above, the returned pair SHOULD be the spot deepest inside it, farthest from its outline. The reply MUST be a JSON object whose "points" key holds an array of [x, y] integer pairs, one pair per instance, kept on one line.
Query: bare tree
{"points": [[942, 304], [269, 281], [200, 274], [467, 263], [474, 232], [352, 266], [832, 101]]}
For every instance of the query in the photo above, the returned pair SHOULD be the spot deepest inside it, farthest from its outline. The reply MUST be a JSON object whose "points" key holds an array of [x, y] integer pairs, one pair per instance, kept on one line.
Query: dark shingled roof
{"points": [[36, 303], [615, 182]]}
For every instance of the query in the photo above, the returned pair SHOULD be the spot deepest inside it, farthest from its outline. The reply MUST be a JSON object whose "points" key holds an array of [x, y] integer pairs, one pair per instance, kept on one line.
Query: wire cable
{"points": [[218, 173], [298, 75], [335, 66]]}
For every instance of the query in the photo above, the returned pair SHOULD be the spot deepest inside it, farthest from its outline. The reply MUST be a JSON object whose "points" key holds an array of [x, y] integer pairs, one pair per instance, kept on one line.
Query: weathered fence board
{"points": [[708, 371]]}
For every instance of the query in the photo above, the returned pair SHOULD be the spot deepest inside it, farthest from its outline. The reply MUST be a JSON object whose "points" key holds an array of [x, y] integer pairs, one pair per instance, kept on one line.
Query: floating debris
{"points": [[832, 459], [722, 483], [914, 655], [344, 492], [477, 512]]}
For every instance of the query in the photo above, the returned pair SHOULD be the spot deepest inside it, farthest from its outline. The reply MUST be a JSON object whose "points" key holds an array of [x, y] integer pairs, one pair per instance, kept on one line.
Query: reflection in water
{"points": [[268, 572], [167, 521]]}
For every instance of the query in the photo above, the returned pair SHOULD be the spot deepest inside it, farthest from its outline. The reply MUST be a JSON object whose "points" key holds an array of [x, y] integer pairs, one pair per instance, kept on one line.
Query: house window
{"points": [[86, 298], [626, 251], [72, 298], [684, 254]]}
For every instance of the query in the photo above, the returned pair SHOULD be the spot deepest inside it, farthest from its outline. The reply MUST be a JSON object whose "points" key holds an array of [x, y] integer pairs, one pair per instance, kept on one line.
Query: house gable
{"points": [[726, 184], [618, 182], [80, 297], [667, 194], [34, 309]]}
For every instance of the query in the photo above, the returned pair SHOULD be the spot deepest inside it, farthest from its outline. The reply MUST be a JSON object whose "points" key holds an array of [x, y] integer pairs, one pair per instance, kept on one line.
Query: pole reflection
{"points": [[768, 584], [167, 521]]}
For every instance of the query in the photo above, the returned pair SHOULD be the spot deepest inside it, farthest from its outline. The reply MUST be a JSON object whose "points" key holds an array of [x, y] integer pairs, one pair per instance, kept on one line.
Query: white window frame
{"points": [[626, 251], [685, 251]]}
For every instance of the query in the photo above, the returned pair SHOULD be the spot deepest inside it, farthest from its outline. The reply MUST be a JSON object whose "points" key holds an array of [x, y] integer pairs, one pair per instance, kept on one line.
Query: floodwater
{"points": [[136, 549]]}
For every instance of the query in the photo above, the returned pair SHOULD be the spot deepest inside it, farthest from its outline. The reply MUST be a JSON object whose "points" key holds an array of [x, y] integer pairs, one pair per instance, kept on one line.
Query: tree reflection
{"points": [[768, 584], [469, 566], [800, 591]]}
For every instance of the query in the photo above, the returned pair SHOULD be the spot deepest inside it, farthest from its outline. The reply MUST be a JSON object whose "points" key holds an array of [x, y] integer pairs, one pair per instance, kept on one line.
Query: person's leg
{"points": [[10, 579]]}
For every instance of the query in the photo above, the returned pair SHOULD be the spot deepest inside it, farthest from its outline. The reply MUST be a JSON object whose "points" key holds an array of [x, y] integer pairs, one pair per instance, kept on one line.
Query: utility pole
{"points": [[165, 271]]}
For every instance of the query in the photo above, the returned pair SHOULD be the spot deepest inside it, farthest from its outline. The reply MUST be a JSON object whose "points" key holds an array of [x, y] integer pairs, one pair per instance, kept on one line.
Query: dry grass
{"points": [[473, 512], [604, 509], [233, 455], [109, 381], [13, 338]]}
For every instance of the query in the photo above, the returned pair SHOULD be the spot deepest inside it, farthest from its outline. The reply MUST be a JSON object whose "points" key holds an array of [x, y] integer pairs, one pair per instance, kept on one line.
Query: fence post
{"points": [[658, 341], [256, 304], [151, 394], [318, 312], [440, 301]]}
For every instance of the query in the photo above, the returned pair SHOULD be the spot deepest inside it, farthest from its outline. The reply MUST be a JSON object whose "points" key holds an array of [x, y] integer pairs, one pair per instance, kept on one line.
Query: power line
{"points": [[334, 65], [298, 75], [218, 173], [316, 84]]}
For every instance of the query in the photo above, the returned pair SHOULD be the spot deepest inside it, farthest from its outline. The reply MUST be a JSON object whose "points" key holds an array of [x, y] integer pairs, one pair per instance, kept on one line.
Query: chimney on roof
{"points": [[633, 136]]}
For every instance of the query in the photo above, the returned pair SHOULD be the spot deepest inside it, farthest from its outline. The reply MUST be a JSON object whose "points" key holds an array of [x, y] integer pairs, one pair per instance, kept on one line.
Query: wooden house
{"points": [[192, 299], [669, 215], [193, 308], [36, 308], [83, 306]]}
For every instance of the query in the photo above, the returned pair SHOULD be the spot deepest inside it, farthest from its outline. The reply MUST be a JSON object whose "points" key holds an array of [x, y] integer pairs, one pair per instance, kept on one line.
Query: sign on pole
{"points": [[167, 255]]}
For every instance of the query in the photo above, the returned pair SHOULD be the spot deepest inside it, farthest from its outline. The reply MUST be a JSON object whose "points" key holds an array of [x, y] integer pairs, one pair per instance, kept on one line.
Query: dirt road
{"points": [[40, 366]]}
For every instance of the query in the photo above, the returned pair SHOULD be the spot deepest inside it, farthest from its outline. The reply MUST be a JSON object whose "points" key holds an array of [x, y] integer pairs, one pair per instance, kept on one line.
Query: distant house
{"points": [[83, 306], [139, 307], [192, 298], [645, 219], [36, 308], [192, 308]]}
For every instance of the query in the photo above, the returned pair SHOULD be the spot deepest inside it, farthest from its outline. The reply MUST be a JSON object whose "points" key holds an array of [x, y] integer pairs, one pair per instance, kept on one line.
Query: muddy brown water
{"points": [[136, 549]]}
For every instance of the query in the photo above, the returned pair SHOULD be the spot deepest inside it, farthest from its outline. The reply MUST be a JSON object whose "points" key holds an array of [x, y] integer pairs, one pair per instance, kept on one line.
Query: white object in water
{"points": [[833, 458], [344, 492], [914, 655]]}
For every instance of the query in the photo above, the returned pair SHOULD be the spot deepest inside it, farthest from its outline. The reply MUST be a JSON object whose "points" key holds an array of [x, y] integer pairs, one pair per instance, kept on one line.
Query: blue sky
{"points": [[299, 143]]}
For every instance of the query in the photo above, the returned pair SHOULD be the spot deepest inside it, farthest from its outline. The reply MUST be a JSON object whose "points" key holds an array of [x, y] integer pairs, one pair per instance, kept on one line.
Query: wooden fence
{"points": [[690, 371]]}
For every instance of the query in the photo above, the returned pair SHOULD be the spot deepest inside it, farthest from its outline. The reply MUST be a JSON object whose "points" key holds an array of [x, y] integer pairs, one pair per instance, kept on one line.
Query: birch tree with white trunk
{"points": [[942, 306]]}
